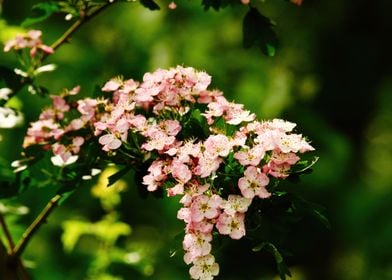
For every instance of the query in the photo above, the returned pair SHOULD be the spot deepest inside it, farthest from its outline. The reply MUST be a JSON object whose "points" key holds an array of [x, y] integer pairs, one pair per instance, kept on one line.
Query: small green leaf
{"points": [[150, 4], [258, 30], [304, 166], [40, 12], [280, 263]]}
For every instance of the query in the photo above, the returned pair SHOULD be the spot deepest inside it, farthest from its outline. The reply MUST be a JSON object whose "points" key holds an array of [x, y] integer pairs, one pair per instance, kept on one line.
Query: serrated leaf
{"points": [[118, 175], [40, 12], [150, 4], [258, 30]]}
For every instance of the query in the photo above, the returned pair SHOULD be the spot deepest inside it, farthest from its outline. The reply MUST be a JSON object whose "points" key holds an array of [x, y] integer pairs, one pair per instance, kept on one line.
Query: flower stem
{"points": [[37, 223]]}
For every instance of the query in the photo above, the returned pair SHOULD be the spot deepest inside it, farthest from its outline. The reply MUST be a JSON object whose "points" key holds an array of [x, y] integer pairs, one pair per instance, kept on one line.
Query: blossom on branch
{"points": [[182, 138]]}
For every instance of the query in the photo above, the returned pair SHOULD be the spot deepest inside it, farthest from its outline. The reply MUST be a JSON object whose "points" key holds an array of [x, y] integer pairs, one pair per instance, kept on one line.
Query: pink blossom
{"points": [[60, 106], [87, 108], [281, 125], [204, 268], [233, 225], [253, 183], [177, 189], [235, 114], [171, 127], [217, 145], [112, 85], [251, 156], [279, 158], [196, 245], [278, 170], [109, 142], [156, 175], [31, 40], [204, 226], [235, 203], [207, 165], [185, 214], [158, 140], [180, 171], [207, 96], [77, 142], [205, 207]]}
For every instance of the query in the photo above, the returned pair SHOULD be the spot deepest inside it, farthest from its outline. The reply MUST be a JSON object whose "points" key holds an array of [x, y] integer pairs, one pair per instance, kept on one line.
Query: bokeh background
{"points": [[331, 75]]}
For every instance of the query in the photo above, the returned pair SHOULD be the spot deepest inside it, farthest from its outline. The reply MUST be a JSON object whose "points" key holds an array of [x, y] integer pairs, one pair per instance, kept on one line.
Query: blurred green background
{"points": [[331, 75]]}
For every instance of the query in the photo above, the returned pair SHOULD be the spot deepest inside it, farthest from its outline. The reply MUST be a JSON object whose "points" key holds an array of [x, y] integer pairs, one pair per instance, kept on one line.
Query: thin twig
{"points": [[37, 223], [7, 233], [67, 34]]}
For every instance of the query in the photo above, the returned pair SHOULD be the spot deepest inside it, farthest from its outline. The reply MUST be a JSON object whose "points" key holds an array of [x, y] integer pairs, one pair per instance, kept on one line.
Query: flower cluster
{"points": [[31, 40], [192, 140]]}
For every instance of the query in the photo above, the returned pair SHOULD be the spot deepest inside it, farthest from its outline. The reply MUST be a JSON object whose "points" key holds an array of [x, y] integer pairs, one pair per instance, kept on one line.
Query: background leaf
{"points": [[41, 12], [150, 4], [257, 30]]}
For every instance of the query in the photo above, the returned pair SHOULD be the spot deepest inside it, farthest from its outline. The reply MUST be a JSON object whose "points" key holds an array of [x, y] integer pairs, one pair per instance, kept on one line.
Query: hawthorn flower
{"points": [[207, 165], [254, 183], [235, 204], [204, 268], [180, 171], [152, 121], [31, 40], [251, 156], [232, 225], [158, 140], [205, 207], [279, 158], [109, 142], [196, 245], [218, 145], [235, 114]]}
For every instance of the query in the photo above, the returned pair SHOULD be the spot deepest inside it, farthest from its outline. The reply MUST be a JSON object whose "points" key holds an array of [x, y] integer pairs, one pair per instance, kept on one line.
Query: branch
{"points": [[67, 34], [28, 234]]}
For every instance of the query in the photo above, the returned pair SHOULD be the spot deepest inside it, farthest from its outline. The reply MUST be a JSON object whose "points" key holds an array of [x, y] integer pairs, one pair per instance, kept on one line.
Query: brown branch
{"points": [[67, 34], [37, 223]]}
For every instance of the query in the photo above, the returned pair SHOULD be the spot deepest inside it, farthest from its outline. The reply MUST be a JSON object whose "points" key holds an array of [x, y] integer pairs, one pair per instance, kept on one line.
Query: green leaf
{"points": [[280, 263], [118, 175], [40, 12], [257, 30], [311, 208], [304, 166], [150, 4]]}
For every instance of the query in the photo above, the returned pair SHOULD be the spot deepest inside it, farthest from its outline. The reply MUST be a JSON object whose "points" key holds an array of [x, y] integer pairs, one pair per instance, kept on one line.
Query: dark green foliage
{"points": [[258, 31], [41, 12], [150, 4]]}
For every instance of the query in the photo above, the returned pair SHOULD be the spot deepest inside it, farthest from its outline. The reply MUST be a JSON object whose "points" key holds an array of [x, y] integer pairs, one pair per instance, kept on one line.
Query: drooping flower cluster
{"points": [[192, 140], [32, 40]]}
